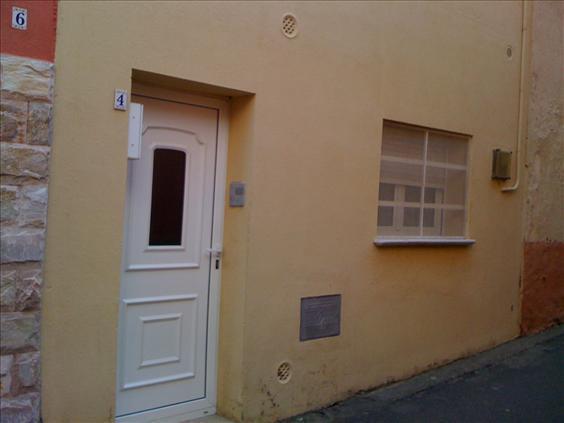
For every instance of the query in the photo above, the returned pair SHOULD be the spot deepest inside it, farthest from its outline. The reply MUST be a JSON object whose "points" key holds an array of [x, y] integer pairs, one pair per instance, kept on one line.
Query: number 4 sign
{"points": [[19, 18], [120, 100]]}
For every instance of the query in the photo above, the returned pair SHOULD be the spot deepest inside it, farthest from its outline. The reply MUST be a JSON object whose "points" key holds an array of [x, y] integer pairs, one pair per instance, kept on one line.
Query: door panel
{"points": [[157, 329], [140, 254], [165, 281]]}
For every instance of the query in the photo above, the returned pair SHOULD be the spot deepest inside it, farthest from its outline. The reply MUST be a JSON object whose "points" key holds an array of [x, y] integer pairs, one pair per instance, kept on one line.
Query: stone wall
{"points": [[543, 274], [26, 115]]}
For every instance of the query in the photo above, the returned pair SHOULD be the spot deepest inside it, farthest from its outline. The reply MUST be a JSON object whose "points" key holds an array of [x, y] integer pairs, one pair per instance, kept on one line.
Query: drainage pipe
{"points": [[523, 74]]}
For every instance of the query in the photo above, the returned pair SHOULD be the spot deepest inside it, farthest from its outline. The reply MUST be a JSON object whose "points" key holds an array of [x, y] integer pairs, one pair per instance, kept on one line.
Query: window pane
{"points": [[433, 195], [386, 192], [432, 222], [428, 218], [435, 177], [402, 142], [167, 200], [412, 194], [453, 223], [401, 173], [411, 217], [455, 189], [446, 148], [449, 183], [385, 216]]}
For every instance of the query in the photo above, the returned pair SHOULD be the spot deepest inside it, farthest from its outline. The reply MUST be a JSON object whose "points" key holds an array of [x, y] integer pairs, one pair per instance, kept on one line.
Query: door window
{"points": [[167, 199]]}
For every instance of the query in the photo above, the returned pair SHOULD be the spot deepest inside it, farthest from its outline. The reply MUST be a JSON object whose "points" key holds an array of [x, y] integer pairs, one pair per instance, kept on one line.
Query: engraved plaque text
{"points": [[320, 317]]}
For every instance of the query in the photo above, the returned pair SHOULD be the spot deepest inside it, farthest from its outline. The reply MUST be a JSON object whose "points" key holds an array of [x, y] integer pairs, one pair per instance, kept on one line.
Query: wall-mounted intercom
{"points": [[237, 194]]}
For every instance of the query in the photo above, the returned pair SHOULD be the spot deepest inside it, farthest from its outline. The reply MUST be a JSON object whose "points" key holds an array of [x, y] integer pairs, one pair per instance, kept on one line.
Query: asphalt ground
{"points": [[519, 381]]}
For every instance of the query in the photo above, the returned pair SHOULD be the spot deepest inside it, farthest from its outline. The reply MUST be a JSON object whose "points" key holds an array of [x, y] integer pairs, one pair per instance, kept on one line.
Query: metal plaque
{"points": [[320, 317]]}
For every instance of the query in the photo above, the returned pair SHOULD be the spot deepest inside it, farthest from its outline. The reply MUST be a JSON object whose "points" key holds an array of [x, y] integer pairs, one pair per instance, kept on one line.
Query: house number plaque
{"points": [[320, 317]]}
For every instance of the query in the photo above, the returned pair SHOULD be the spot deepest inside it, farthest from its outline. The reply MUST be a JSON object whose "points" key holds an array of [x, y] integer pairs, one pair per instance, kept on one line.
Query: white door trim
{"points": [[205, 406]]}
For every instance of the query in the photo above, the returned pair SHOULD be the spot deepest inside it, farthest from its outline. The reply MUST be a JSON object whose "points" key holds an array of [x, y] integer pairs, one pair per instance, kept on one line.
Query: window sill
{"points": [[432, 242]]}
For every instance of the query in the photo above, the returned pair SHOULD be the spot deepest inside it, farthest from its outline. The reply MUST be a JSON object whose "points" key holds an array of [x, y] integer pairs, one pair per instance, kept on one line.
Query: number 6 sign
{"points": [[19, 18]]}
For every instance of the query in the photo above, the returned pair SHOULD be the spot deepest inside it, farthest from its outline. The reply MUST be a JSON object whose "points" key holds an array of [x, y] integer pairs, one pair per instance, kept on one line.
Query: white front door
{"points": [[165, 344]]}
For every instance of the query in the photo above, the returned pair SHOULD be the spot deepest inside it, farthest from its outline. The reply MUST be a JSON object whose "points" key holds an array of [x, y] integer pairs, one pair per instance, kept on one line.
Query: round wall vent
{"points": [[284, 372], [289, 25]]}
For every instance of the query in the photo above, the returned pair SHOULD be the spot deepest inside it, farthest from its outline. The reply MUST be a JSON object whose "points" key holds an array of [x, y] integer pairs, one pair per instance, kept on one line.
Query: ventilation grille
{"points": [[284, 372], [289, 25]]}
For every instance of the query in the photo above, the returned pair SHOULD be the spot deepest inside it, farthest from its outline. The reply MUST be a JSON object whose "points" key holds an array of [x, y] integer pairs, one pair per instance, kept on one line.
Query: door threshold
{"points": [[210, 419], [180, 413]]}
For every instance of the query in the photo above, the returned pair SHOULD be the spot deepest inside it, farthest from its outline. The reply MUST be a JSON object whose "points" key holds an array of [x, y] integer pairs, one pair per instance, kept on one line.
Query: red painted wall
{"points": [[543, 286], [38, 41]]}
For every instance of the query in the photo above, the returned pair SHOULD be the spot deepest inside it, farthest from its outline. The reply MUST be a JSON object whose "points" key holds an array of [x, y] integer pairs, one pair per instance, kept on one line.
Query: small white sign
{"points": [[19, 18], [120, 100]]}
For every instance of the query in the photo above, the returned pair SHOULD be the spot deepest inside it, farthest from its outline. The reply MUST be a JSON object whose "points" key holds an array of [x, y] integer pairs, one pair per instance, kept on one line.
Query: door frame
{"points": [[207, 405]]}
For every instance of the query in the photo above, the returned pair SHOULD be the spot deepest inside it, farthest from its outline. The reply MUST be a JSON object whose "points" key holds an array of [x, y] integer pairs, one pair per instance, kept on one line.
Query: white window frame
{"points": [[399, 204]]}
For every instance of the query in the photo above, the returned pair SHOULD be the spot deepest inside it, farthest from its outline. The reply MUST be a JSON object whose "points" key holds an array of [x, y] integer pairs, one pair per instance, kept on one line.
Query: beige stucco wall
{"points": [[308, 146], [545, 143], [543, 278]]}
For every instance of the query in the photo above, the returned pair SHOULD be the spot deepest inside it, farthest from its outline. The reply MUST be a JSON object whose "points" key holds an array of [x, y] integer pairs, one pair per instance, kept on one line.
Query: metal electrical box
{"points": [[501, 164]]}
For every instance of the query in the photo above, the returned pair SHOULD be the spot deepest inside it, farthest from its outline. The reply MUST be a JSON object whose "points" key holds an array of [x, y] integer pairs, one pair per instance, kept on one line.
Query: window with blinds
{"points": [[423, 175]]}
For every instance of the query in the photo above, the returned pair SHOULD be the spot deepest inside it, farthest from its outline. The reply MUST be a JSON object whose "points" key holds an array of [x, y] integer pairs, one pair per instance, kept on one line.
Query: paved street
{"points": [[520, 381]]}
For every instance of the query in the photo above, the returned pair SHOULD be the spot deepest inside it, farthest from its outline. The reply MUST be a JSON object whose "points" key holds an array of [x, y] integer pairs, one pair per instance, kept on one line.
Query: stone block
{"points": [[19, 332], [28, 290], [22, 409], [33, 205], [28, 78], [6, 362], [8, 289], [39, 124], [18, 245], [24, 160], [8, 203], [13, 120], [27, 365], [20, 287]]}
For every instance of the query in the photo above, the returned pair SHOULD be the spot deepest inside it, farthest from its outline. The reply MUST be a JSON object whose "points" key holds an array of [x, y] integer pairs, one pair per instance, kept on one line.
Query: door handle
{"points": [[215, 252]]}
